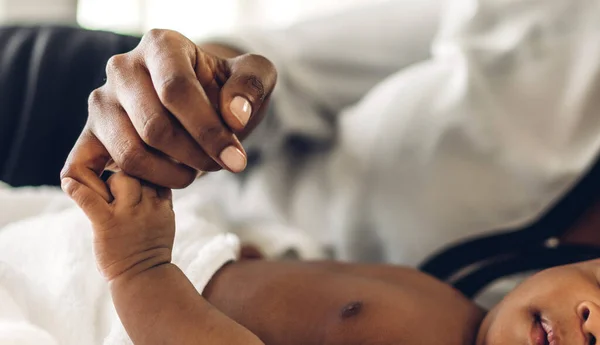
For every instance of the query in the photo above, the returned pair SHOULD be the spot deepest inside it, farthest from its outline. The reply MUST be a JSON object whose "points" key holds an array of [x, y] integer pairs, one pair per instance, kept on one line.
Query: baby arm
{"points": [[133, 241]]}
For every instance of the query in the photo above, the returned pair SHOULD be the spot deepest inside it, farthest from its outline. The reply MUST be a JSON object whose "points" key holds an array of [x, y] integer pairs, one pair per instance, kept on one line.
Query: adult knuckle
{"points": [[70, 188], [257, 86], [254, 85], [66, 171], [69, 170], [157, 41], [156, 130], [132, 159], [100, 108], [262, 67], [116, 64], [155, 36], [173, 88], [96, 99], [211, 133]]}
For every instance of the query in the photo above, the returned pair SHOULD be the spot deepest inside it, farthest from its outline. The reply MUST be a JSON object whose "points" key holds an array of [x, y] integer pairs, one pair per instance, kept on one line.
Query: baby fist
{"points": [[134, 232]]}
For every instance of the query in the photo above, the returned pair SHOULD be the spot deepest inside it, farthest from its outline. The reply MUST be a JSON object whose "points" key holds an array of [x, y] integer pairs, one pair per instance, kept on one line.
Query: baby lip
{"points": [[539, 336], [552, 336]]}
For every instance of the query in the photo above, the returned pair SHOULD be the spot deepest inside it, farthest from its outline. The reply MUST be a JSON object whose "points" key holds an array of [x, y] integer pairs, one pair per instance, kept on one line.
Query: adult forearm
{"points": [[161, 306]]}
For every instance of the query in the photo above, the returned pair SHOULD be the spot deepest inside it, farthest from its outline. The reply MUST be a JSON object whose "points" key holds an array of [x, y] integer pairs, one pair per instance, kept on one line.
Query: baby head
{"points": [[558, 306]]}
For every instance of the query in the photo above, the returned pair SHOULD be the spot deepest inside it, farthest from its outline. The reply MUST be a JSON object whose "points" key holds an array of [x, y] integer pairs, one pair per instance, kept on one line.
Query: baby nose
{"points": [[589, 312]]}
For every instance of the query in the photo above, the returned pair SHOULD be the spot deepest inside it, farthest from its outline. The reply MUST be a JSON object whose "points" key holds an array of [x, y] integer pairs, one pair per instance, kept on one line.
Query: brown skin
{"points": [[286, 303], [256, 301], [585, 231], [164, 115], [133, 241], [167, 112], [565, 299]]}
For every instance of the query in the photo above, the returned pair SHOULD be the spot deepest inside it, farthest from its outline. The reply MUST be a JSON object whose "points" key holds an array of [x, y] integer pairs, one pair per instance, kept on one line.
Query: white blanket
{"points": [[50, 290]]}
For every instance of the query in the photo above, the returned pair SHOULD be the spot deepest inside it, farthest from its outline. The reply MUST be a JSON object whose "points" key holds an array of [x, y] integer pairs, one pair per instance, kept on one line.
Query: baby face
{"points": [[558, 306]]}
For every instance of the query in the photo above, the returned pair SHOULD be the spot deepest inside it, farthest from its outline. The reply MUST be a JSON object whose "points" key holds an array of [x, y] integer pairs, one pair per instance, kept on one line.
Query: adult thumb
{"points": [[251, 81]]}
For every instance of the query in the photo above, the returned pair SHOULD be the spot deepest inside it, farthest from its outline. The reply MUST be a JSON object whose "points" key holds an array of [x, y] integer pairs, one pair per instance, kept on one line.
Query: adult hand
{"points": [[169, 110]]}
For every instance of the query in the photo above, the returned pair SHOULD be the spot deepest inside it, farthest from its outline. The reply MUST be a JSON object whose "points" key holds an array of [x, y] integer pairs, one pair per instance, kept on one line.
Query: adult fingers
{"points": [[251, 81], [172, 69], [92, 203], [86, 162], [111, 125], [152, 121]]}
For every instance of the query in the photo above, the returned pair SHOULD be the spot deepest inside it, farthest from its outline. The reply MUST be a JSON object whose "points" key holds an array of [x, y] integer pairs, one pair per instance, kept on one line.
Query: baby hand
{"points": [[133, 233]]}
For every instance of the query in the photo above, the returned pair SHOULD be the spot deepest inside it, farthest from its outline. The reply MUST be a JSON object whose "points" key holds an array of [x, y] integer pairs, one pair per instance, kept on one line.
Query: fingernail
{"points": [[241, 108], [233, 158]]}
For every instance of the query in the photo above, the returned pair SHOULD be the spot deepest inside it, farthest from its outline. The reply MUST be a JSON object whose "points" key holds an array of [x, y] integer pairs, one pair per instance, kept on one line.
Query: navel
{"points": [[351, 309]]}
